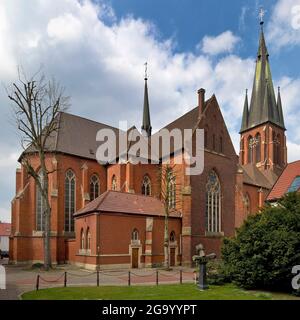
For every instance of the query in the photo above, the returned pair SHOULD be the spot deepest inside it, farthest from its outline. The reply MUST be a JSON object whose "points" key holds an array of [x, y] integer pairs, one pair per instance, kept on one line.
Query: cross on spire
{"points": [[261, 15]]}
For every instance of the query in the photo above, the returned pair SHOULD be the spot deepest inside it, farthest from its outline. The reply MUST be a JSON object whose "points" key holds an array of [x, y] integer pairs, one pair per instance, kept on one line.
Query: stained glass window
{"points": [[146, 186], [69, 200], [94, 187], [213, 203]]}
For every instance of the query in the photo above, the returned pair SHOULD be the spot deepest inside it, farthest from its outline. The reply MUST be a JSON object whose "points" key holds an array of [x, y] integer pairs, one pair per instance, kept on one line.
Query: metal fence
{"points": [[129, 278]]}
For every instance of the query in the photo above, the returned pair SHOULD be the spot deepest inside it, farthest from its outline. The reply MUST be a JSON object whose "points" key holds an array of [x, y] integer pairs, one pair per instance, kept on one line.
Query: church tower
{"points": [[262, 140], [146, 126]]}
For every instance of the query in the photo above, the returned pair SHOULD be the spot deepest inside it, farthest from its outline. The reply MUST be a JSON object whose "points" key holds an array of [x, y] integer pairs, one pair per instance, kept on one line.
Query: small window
{"points": [[135, 235], [82, 239], [114, 183], [172, 236], [247, 204], [146, 186], [88, 237]]}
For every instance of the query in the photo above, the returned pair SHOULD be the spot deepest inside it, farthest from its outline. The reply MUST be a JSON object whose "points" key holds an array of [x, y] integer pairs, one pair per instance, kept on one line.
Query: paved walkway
{"points": [[20, 279]]}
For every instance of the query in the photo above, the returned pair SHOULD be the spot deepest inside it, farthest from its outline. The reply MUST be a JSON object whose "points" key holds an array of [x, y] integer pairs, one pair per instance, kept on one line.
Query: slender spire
{"points": [[279, 108], [245, 113], [263, 107], [146, 127]]}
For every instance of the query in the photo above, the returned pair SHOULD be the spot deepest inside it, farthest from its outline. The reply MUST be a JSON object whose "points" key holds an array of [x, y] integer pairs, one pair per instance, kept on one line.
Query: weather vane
{"points": [[261, 15], [146, 69]]}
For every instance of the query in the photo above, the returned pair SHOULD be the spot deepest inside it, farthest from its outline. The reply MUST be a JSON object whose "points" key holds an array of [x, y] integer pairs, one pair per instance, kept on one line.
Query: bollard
{"points": [[180, 272], [129, 280], [157, 277], [37, 282], [65, 280], [97, 278]]}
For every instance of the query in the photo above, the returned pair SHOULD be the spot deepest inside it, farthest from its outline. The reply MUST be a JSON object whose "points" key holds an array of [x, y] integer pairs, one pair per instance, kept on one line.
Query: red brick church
{"points": [[111, 215]]}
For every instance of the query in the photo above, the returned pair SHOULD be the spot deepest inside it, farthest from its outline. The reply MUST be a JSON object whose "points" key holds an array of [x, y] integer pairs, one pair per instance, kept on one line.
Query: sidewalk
{"points": [[22, 278]]}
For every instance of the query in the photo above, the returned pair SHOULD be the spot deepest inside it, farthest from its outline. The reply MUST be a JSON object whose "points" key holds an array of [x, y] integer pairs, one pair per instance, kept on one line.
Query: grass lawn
{"points": [[168, 292]]}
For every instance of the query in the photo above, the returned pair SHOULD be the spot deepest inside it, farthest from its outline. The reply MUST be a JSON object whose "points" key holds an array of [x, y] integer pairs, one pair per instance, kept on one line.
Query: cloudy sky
{"points": [[96, 49]]}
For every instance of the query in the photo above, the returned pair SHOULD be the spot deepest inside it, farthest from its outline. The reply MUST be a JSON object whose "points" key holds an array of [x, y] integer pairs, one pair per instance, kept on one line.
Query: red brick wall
{"points": [[115, 242], [266, 146]]}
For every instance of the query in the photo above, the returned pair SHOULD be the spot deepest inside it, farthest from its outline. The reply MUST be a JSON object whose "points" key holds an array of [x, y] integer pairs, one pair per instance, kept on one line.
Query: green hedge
{"points": [[265, 247]]}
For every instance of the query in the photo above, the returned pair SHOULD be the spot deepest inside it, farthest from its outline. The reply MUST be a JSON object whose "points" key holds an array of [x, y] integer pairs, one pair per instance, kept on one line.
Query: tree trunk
{"points": [[46, 215], [166, 242]]}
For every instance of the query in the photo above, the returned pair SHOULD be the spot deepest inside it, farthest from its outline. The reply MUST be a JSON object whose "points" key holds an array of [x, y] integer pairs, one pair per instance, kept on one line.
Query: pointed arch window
{"points": [[146, 186], [135, 235], [82, 240], [94, 187], [172, 193], [250, 149], [257, 148], [88, 239], [69, 200], [172, 236], [40, 206], [114, 183], [213, 203], [247, 204]]}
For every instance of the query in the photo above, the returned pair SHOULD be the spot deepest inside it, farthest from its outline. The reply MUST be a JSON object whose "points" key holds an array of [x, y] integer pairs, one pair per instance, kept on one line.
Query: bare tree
{"points": [[37, 102], [167, 177]]}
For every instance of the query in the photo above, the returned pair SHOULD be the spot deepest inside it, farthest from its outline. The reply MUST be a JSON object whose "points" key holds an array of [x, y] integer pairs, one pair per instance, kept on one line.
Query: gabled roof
{"points": [[5, 229], [128, 203], [291, 171], [75, 136]]}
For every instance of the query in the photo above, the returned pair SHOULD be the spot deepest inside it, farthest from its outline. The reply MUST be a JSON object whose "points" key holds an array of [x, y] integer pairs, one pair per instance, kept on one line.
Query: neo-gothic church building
{"points": [[112, 216]]}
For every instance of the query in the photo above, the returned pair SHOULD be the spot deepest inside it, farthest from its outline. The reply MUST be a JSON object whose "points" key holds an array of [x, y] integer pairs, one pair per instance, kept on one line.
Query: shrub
{"points": [[265, 247]]}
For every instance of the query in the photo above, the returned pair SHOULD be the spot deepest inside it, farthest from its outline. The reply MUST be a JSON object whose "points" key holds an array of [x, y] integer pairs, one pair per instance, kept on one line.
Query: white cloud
{"points": [[65, 28], [99, 60], [284, 27], [294, 151], [223, 43]]}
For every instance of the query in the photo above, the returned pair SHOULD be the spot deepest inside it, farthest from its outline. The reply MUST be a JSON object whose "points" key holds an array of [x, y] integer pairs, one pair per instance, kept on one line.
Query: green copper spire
{"points": [[146, 127], [279, 108], [263, 107], [245, 114]]}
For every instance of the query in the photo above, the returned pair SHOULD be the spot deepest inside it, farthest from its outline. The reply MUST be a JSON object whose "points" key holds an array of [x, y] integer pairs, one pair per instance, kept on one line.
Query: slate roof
{"points": [[263, 105], [5, 229], [75, 136], [256, 177], [291, 171], [128, 203], [146, 126]]}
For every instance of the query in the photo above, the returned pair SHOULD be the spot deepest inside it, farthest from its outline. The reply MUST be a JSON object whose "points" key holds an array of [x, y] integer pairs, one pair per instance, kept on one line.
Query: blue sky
{"points": [[96, 50], [189, 21]]}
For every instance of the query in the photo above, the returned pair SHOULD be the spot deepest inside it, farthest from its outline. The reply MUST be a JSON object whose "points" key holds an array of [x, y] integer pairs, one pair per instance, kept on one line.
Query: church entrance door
{"points": [[135, 258]]}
